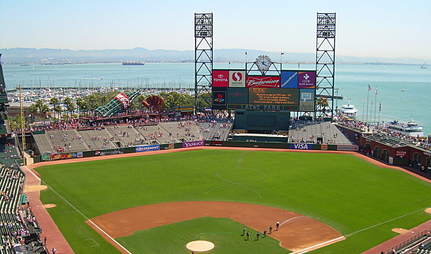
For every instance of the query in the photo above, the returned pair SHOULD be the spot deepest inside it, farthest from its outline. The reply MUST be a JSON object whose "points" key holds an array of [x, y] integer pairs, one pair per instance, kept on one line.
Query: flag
{"points": [[369, 88], [380, 107], [376, 90]]}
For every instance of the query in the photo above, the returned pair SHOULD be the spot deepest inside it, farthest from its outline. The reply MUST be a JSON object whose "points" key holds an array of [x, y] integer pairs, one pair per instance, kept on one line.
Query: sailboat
{"points": [[423, 66]]}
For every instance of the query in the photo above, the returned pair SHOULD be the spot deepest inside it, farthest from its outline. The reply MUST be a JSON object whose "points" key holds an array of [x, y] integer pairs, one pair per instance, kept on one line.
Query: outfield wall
{"points": [[144, 148]]}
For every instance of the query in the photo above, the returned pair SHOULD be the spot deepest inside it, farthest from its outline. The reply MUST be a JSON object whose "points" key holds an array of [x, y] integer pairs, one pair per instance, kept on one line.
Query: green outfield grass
{"points": [[360, 200]]}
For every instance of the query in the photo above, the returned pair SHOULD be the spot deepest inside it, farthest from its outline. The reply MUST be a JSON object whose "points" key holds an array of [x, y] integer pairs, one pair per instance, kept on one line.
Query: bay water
{"points": [[382, 93]]}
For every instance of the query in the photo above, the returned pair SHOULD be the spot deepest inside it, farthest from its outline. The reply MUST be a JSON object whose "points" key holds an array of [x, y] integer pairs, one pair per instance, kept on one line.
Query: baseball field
{"points": [[148, 204]]}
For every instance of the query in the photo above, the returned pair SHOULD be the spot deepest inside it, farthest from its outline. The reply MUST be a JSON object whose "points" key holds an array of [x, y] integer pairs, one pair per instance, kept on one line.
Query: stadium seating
{"points": [[117, 136]]}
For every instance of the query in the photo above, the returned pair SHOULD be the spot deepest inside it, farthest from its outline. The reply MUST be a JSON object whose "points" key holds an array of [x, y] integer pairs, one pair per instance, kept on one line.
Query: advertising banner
{"points": [[301, 146], [194, 143], [220, 78], [61, 156], [348, 148], [219, 97], [289, 79], [274, 96], [236, 78], [147, 148], [306, 100], [401, 153], [108, 152], [263, 81], [237, 95], [306, 79], [124, 100]]}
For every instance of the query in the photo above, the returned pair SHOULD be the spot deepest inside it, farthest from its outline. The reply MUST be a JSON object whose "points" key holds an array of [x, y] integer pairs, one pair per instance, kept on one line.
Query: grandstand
{"points": [[417, 244], [19, 228], [119, 136], [215, 130]]}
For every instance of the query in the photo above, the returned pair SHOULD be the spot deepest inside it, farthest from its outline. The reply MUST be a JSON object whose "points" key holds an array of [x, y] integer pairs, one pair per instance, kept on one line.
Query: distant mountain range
{"points": [[67, 56]]}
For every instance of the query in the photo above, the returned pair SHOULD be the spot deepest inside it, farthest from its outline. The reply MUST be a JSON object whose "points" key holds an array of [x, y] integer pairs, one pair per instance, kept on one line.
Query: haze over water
{"points": [[402, 90]]}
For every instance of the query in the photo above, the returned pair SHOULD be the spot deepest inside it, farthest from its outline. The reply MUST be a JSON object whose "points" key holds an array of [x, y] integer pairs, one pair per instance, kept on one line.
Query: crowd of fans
{"points": [[18, 226], [382, 132]]}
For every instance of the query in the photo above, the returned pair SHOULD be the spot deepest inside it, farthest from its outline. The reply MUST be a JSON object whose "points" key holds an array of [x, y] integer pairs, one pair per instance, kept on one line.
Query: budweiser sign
{"points": [[260, 81]]}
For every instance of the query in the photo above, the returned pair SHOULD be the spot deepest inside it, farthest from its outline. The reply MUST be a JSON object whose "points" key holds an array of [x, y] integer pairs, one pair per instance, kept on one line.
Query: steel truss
{"points": [[203, 55], [325, 62]]}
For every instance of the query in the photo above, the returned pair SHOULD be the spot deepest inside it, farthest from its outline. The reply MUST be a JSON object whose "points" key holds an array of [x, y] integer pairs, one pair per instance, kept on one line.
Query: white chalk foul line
{"points": [[85, 217], [318, 245]]}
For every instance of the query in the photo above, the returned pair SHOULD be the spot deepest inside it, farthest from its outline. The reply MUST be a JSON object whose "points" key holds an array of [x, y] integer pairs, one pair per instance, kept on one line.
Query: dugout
{"points": [[261, 122]]}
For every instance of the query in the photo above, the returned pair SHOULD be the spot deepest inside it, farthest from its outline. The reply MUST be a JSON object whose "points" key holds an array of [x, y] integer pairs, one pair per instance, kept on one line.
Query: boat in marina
{"points": [[348, 111], [409, 129]]}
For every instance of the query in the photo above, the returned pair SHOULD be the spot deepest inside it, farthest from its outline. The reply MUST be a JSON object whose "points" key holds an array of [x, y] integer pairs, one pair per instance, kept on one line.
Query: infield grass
{"points": [[360, 200]]}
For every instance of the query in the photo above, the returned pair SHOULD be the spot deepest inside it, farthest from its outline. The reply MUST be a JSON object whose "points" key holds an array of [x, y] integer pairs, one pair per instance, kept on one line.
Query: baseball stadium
{"points": [[263, 170]]}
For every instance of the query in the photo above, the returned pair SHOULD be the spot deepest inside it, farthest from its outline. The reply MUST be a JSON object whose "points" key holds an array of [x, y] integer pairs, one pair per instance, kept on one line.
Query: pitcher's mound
{"points": [[200, 246]]}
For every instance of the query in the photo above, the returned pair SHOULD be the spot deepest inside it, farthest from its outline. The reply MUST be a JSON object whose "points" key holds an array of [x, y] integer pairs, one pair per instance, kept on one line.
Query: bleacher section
{"points": [[98, 139], [119, 136], [125, 135], [317, 132], [417, 244], [18, 227], [215, 130], [66, 141]]}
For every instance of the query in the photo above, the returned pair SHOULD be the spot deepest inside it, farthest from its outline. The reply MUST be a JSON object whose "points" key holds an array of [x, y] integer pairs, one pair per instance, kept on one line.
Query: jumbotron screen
{"points": [[290, 91]]}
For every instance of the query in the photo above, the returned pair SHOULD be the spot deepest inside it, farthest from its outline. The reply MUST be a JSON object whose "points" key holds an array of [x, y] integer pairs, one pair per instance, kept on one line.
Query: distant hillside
{"points": [[55, 56]]}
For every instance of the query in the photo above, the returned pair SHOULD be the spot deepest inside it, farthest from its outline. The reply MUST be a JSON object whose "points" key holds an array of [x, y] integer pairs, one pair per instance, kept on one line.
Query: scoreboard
{"points": [[289, 91]]}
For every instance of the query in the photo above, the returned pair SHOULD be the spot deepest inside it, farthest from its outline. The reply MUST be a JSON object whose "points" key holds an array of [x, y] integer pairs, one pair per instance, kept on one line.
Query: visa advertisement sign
{"points": [[301, 146]]}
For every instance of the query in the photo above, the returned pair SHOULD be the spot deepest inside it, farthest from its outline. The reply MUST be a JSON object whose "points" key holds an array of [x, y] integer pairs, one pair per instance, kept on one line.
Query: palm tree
{"points": [[44, 108], [92, 101], [39, 104], [81, 104], [58, 109], [54, 101], [322, 103], [70, 106]]}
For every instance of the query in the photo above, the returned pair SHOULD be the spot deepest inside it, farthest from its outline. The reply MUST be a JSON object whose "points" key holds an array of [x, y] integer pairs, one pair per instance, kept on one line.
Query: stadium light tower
{"points": [[203, 54], [325, 62]]}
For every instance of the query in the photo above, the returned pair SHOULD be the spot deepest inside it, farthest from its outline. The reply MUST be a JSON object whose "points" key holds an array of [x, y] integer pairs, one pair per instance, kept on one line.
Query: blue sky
{"points": [[369, 28]]}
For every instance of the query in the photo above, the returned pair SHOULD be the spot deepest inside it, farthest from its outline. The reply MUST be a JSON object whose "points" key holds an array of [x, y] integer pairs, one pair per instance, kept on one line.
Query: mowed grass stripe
{"points": [[341, 190]]}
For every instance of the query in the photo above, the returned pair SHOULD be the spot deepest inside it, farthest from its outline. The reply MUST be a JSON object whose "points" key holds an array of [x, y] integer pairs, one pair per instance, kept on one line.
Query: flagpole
{"points": [[363, 108], [375, 106], [368, 99], [380, 110]]}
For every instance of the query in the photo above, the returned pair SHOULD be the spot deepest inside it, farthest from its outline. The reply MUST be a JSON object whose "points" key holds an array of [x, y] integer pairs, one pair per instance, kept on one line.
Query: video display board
{"points": [[289, 91]]}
